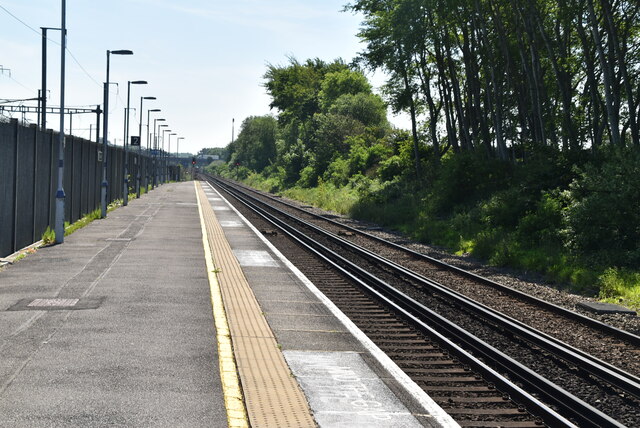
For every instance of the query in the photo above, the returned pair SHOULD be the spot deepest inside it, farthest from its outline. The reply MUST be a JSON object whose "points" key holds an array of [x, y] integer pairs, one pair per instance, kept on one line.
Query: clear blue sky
{"points": [[204, 59]]}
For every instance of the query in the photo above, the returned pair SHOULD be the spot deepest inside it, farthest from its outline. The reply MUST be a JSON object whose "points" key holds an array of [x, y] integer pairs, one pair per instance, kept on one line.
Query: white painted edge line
{"points": [[440, 416]]}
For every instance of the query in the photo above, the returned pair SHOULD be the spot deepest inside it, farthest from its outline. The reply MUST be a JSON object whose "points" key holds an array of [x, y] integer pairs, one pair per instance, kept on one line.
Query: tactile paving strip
{"points": [[272, 396]]}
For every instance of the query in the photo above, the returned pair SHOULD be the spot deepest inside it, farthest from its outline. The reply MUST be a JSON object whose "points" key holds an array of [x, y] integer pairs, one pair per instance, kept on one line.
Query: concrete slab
{"points": [[231, 223], [343, 391], [266, 294], [605, 308], [255, 258]]}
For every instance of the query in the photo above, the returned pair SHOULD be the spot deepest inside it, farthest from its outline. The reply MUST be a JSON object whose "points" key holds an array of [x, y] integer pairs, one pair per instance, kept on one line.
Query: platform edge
{"points": [[233, 399]]}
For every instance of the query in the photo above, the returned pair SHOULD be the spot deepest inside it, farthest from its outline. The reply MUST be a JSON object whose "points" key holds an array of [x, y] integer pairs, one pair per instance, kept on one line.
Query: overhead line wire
{"points": [[52, 41]]}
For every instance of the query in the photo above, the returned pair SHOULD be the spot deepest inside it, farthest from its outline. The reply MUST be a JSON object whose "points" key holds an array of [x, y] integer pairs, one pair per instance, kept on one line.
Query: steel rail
{"points": [[574, 406], [613, 331]]}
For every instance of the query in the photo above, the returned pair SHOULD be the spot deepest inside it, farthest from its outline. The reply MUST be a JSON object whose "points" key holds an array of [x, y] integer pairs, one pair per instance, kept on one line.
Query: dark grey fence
{"points": [[29, 176]]}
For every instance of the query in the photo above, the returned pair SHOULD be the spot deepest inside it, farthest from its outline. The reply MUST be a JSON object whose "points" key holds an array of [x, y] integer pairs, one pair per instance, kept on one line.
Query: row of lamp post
{"points": [[152, 145], [60, 194]]}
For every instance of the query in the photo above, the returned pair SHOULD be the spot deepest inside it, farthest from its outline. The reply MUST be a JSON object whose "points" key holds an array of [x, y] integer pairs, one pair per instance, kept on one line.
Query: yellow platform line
{"points": [[272, 396], [233, 400]]}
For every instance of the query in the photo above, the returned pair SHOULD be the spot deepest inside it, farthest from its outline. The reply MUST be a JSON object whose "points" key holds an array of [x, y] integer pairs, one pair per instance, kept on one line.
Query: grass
{"points": [[325, 196], [620, 286], [93, 215], [49, 235]]}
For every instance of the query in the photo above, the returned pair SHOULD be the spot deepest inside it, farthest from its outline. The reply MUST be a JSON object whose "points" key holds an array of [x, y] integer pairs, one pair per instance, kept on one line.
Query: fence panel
{"points": [[43, 180], [8, 145], [24, 187], [29, 180]]}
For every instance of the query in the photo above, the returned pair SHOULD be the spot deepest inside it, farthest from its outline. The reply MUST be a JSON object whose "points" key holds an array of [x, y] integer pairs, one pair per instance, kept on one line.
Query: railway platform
{"points": [[175, 311]]}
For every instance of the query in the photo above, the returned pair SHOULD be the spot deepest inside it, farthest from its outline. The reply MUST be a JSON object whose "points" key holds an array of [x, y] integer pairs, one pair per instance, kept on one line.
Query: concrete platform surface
{"points": [[138, 348]]}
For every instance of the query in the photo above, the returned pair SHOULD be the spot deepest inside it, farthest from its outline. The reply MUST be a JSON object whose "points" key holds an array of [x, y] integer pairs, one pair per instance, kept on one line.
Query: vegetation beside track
{"points": [[524, 145], [555, 229]]}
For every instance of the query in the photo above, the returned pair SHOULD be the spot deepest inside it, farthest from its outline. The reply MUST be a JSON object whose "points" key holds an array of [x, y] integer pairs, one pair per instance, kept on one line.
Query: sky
{"points": [[204, 60]]}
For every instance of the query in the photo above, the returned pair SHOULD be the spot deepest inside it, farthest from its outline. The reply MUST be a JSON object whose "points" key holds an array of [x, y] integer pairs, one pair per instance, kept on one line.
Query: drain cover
{"points": [[39, 303], [56, 304]]}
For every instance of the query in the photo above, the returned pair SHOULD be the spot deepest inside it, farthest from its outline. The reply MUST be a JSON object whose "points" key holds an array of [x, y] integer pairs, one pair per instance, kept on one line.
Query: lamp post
{"points": [[178, 155], [149, 147], [155, 151], [169, 153], [140, 145], [60, 196], [105, 134], [43, 92], [162, 160], [125, 195]]}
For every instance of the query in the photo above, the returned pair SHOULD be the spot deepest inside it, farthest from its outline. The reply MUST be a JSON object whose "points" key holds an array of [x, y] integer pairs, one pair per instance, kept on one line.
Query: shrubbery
{"points": [[570, 213], [603, 216]]}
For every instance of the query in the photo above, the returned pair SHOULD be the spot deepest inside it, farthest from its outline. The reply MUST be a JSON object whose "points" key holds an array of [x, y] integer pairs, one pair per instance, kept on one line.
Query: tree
{"points": [[509, 74], [339, 83], [255, 146], [321, 105]]}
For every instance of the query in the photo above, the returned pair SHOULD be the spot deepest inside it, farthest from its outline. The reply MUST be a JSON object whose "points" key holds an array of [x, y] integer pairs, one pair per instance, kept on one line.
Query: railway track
{"points": [[401, 311], [615, 346]]}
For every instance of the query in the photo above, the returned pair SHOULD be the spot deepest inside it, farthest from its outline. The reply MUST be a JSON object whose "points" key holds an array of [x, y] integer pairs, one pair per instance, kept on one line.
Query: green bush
{"points": [[543, 225], [337, 172], [467, 178], [308, 177], [392, 168], [603, 216], [504, 208], [48, 236]]}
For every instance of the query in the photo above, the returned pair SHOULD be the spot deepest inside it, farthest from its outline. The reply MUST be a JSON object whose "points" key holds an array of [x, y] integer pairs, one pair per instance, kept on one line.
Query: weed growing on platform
{"points": [[24, 254], [49, 236], [113, 205], [70, 228]]}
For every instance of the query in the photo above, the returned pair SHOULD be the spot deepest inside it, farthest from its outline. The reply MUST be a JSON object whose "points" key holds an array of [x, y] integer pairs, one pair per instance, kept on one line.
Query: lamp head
{"points": [[150, 98], [138, 82], [122, 52]]}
